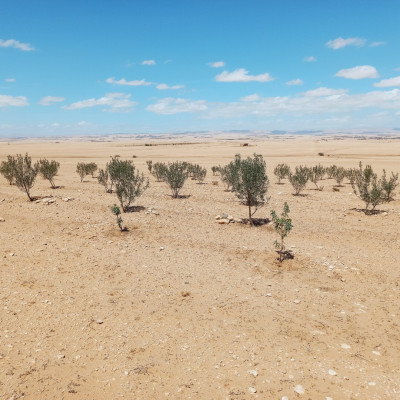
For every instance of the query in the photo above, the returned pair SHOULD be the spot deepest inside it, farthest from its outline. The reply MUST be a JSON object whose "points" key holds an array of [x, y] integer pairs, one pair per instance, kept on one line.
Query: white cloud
{"points": [[251, 97], [376, 44], [10, 80], [324, 91], [388, 82], [16, 44], [340, 43], [217, 64], [309, 59], [171, 105], [46, 101], [123, 81], [164, 86], [13, 101], [148, 62], [241, 75], [359, 72], [114, 102], [294, 82]]}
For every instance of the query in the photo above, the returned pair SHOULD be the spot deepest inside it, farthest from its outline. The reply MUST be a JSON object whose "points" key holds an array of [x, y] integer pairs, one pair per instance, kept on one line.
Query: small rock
{"points": [[269, 294], [371, 383], [345, 346], [332, 372], [2, 219], [252, 390], [253, 372], [218, 217], [99, 321], [299, 389], [239, 220], [223, 221], [61, 356], [285, 398], [161, 248], [296, 301], [376, 353], [11, 254]]}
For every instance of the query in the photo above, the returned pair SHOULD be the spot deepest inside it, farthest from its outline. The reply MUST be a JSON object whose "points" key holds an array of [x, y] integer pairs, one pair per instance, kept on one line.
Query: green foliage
{"points": [[199, 173], [215, 170], [25, 173], [388, 186], [250, 182], [281, 171], [175, 175], [331, 171], [368, 188], [129, 183], [315, 174], [103, 177], [48, 170], [299, 179], [149, 165], [230, 173], [158, 171], [283, 225], [91, 168], [81, 170], [339, 175], [117, 212], [7, 169], [351, 174]]}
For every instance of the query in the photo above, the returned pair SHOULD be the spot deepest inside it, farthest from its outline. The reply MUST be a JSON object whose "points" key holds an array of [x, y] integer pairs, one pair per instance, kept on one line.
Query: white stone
{"points": [[252, 390], [299, 389], [332, 372], [296, 301], [345, 346], [253, 372]]}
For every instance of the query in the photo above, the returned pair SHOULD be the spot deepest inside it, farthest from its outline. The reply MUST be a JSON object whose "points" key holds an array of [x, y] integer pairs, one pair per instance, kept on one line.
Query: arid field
{"points": [[182, 307]]}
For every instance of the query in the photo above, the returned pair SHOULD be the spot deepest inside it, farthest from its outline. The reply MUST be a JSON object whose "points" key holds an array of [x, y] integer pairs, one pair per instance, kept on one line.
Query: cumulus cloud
{"points": [[251, 97], [10, 80], [164, 86], [16, 44], [309, 59], [294, 82], [114, 102], [376, 44], [359, 72], [48, 100], [242, 75], [170, 105], [124, 82], [148, 62], [388, 82], [324, 91], [340, 42], [217, 64], [13, 101]]}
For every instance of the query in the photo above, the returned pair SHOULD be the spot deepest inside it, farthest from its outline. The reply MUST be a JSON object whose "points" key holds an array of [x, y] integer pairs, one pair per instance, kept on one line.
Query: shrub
{"points": [[299, 179], [331, 171], [25, 173], [283, 225], [149, 165], [388, 186], [103, 178], [368, 188], [251, 182], [229, 174], [199, 173], [7, 169], [158, 171], [129, 183], [81, 170], [215, 170], [281, 171], [175, 175], [321, 154], [48, 170], [351, 175], [91, 168], [339, 174], [315, 174], [117, 212]]}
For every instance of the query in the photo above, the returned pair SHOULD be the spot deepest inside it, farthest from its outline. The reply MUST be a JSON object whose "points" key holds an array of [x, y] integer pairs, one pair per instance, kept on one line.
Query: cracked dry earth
{"points": [[181, 307]]}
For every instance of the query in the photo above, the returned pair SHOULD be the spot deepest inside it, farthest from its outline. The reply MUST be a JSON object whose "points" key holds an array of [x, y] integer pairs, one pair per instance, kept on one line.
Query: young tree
{"points": [[331, 171], [229, 174], [175, 175], [281, 171], [149, 165], [25, 173], [48, 170], [215, 170], [199, 173], [129, 183], [316, 173], [368, 188], [103, 179], [91, 168], [283, 225], [7, 169], [81, 170], [299, 179], [388, 186], [158, 171], [117, 212], [339, 175], [251, 182]]}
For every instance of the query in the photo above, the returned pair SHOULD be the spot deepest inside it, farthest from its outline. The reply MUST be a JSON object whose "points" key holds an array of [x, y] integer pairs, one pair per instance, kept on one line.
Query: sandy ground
{"points": [[181, 307]]}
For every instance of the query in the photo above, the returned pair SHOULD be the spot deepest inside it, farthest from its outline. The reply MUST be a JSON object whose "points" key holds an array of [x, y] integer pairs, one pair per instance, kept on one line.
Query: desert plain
{"points": [[182, 307]]}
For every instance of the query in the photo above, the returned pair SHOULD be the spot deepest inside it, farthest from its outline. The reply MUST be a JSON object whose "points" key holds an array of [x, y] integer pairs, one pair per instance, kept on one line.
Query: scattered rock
{"points": [[252, 390], [332, 372], [99, 321], [218, 217], [299, 389], [223, 221], [296, 301], [161, 248], [345, 346], [61, 356], [253, 372], [2, 219]]}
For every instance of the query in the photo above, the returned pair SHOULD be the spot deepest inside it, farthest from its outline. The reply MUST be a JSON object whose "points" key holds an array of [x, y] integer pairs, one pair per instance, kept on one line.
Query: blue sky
{"points": [[101, 67]]}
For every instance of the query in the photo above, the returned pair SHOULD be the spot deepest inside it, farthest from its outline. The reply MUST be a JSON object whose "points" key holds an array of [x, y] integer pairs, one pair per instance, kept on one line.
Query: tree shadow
{"points": [[285, 255], [369, 212], [180, 196], [134, 209], [256, 221], [57, 187], [300, 194]]}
